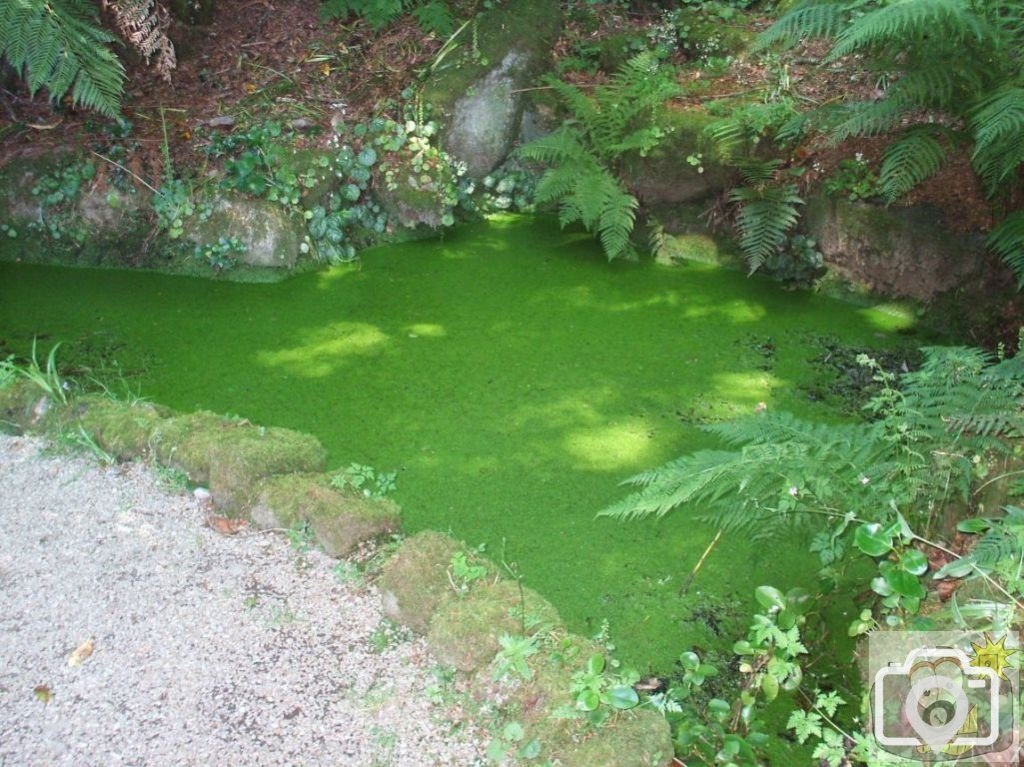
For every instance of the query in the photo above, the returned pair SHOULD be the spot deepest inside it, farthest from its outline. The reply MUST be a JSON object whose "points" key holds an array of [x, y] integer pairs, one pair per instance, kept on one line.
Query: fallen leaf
{"points": [[81, 653], [43, 693], [226, 525], [251, 87]]}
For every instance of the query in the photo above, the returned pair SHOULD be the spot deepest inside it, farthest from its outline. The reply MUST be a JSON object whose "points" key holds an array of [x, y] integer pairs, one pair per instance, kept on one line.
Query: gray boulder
{"points": [[271, 237], [480, 95]]}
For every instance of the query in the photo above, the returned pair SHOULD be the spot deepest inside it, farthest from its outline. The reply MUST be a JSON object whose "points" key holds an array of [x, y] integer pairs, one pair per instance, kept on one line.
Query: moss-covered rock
{"points": [[232, 455], [24, 406], [82, 214], [123, 429], [417, 580], [464, 632], [341, 520], [479, 93], [684, 167], [636, 738]]}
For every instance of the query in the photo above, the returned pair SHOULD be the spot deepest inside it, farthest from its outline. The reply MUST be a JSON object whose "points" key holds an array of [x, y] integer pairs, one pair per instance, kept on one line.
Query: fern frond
{"points": [[766, 216], [934, 84], [865, 118], [819, 18], [616, 224], [1007, 241], [997, 124], [903, 20], [562, 145], [907, 162], [578, 103], [143, 24], [60, 46]]}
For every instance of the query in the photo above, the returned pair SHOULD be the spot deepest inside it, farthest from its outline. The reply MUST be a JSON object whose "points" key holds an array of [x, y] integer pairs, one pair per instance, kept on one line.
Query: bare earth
{"points": [[206, 650]]}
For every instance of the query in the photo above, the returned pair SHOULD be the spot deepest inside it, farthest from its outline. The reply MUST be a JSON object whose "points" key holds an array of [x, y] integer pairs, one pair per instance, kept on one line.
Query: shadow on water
{"points": [[511, 375]]}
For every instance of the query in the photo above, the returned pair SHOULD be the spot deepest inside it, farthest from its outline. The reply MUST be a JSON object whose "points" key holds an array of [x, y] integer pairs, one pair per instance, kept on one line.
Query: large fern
{"points": [[959, 58], [782, 470], [584, 155], [59, 45]]}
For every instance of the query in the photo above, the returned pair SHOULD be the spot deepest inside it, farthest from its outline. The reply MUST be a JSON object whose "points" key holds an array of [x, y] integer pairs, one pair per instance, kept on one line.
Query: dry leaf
{"points": [[81, 653], [251, 87], [226, 525], [43, 693]]}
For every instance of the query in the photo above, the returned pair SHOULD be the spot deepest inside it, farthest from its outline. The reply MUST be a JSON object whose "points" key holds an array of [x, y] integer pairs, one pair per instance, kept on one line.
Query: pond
{"points": [[510, 375]]}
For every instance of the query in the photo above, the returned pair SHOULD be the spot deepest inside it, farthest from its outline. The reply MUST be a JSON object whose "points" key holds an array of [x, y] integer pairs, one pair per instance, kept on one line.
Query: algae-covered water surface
{"points": [[510, 375]]}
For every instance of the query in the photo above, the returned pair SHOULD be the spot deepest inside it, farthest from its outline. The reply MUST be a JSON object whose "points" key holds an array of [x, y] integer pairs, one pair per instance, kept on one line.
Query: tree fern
{"points": [[907, 162], [58, 45], [584, 154]]}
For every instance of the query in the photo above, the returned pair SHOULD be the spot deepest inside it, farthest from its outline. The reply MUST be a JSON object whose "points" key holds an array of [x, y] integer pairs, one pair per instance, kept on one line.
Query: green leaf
{"points": [[595, 664], [975, 526], [719, 709], [770, 687], [901, 582], [914, 562], [769, 597], [588, 700], [621, 697], [872, 540]]}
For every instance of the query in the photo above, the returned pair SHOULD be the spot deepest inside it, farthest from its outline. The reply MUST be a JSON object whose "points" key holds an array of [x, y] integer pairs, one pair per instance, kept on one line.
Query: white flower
{"points": [[794, 491]]}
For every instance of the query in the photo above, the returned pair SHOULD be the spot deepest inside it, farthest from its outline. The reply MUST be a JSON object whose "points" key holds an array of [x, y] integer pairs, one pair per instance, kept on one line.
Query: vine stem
{"points": [[136, 176]]}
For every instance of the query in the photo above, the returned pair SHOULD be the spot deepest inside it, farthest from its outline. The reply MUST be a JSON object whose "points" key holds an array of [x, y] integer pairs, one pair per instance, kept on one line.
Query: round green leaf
{"points": [[770, 687], [595, 664], [690, 661], [901, 582], [914, 562], [770, 597], [872, 540], [621, 697], [588, 700]]}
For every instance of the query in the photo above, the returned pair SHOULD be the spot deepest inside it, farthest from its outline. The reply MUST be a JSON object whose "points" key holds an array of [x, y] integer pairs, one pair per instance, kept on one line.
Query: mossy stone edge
{"points": [[417, 585]]}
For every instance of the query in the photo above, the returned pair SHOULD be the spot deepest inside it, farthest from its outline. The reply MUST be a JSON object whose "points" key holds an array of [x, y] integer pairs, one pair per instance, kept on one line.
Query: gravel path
{"points": [[208, 650]]}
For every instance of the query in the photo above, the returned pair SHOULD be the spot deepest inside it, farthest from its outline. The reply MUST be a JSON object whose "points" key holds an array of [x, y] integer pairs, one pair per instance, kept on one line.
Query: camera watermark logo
{"points": [[946, 696]]}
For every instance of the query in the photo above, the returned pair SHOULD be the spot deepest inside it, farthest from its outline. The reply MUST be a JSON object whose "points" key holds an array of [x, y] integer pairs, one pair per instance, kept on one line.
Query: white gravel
{"points": [[208, 650]]}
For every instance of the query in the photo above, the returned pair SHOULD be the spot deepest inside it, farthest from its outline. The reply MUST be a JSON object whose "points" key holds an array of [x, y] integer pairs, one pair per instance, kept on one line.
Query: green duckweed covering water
{"points": [[513, 378]]}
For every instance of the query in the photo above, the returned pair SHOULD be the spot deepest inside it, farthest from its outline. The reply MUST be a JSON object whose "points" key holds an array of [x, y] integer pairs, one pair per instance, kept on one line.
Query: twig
{"points": [[136, 176], [700, 563]]}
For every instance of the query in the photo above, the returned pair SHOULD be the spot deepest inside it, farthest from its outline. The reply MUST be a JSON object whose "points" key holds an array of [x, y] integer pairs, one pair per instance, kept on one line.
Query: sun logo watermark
{"points": [[942, 696]]}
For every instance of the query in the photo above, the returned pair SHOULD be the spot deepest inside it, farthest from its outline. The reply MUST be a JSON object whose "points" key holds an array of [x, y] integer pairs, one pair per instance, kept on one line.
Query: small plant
{"points": [[512, 744], [365, 481], [599, 694], [8, 371], [301, 537], [388, 634], [348, 573], [854, 179], [462, 574], [220, 254], [512, 657], [49, 380], [80, 439]]}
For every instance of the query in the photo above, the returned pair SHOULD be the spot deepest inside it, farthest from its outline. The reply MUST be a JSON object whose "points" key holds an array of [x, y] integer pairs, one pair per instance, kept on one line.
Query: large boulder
{"points": [[480, 96], [897, 251], [269, 236]]}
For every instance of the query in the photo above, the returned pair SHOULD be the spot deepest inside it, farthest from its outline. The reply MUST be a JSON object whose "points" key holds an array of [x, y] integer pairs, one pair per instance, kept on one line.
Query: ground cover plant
{"points": [[509, 375]]}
